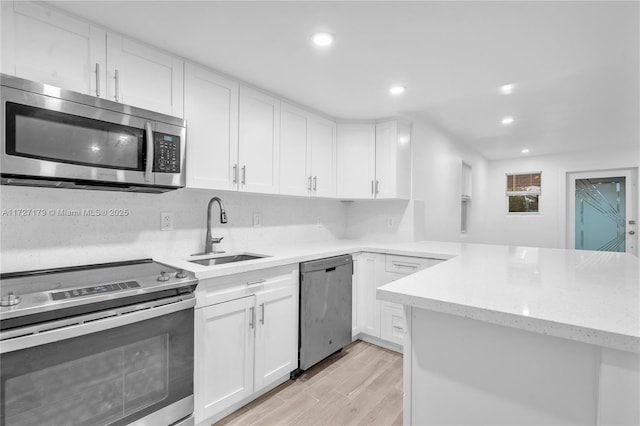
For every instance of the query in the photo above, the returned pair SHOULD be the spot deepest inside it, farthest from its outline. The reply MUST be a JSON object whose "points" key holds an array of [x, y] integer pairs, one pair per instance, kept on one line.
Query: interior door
{"points": [[602, 211]]}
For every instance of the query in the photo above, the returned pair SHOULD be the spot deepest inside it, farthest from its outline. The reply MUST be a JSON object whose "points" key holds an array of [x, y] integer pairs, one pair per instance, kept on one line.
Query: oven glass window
{"points": [[111, 377], [55, 136]]}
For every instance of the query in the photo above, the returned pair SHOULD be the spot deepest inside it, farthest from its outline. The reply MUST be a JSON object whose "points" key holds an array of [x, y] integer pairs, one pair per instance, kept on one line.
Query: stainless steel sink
{"points": [[220, 260]]}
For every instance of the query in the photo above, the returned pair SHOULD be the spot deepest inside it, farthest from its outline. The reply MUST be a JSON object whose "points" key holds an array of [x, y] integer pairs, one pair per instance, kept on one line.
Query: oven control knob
{"points": [[163, 276], [9, 300], [181, 274]]}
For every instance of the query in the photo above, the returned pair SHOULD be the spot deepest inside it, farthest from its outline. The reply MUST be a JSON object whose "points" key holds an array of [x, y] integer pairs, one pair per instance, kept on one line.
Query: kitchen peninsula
{"points": [[522, 335]]}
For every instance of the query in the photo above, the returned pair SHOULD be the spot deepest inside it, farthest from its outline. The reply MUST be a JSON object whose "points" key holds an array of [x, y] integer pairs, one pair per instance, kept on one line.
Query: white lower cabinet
{"points": [[276, 348], [247, 344], [370, 276], [224, 369], [382, 320]]}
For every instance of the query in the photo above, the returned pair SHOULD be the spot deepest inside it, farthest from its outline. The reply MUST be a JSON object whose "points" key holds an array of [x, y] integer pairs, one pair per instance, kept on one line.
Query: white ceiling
{"points": [[575, 64]]}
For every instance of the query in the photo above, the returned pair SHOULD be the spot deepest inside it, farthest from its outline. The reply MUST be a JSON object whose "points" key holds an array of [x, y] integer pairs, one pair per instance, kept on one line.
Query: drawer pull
{"points": [[250, 283], [408, 266]]}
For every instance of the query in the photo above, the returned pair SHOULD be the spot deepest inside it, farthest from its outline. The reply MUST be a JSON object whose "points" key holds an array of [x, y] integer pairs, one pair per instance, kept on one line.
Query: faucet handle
{"points": [[216, 240]]}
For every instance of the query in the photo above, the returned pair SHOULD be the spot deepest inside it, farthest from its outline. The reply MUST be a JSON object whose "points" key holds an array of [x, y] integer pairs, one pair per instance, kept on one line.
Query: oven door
{"points": [[134, 367], [45, 136]]}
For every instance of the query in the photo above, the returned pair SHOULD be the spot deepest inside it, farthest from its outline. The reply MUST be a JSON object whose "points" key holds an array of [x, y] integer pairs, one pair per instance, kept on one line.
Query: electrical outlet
{"points": [[257, 220], [390, 222], [319, 221], [166, 221]]}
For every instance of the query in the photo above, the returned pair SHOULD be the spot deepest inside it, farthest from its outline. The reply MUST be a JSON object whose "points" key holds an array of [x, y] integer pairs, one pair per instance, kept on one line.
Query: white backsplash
{"points": [[30, 240]]}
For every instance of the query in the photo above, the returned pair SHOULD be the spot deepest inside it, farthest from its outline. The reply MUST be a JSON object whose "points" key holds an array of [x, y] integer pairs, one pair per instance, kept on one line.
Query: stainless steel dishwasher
{"points": [[325, 309]]}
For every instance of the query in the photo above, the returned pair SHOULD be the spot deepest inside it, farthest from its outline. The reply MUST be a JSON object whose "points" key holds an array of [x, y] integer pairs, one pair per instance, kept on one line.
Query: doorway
{"points": [[602, 210]]}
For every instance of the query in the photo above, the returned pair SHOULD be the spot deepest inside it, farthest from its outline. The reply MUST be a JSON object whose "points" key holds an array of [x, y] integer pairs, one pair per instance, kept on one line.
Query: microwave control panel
{"points": [[166, 153]]}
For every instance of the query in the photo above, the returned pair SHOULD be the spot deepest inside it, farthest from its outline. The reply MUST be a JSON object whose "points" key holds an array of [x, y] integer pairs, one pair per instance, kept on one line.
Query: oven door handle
{"points": [[150, 154], [92, 323]]}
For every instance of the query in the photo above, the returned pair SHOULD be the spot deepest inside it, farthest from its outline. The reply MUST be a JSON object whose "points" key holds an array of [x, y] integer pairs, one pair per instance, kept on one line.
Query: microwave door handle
{"points": [[149, 139]]}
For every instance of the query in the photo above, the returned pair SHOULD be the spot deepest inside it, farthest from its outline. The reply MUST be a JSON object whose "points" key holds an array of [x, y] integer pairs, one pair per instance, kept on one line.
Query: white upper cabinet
{"points": [[211, 111], [393, 160], [259, 141], [294, 151], [46, 46], [145, 77], [356, 160], [307, 153], [323, 157], [374, 160]]}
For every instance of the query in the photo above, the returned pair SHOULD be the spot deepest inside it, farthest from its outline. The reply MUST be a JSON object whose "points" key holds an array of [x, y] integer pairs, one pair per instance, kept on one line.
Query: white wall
{"points": [[548, 228], [437, 180], [34, 242]]}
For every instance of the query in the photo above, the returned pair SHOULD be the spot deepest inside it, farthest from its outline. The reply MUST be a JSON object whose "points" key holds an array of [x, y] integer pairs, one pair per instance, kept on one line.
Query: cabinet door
{"points": [[211, 111], [356, 160], [323, 157], [276, 353], [371, 275], [294, 135], [46, 46], [145, 77], [259, 135], [224, 336], [393, 327], [393, 160]]}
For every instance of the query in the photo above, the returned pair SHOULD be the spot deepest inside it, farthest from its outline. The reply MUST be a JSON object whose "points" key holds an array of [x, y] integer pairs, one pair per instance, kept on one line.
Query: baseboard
{"points": [[224, 413], [378, 342]]}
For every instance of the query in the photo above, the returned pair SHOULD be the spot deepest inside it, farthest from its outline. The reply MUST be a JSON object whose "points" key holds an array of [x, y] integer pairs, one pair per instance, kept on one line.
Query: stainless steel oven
{"points": [[107, 344], [55, 137]]}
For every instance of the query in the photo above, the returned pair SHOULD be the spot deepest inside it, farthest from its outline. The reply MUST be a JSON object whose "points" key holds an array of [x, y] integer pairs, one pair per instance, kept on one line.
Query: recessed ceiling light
{"points": [[397, 90], [322, 39], [507, 120], [525, 151], [507, 89]]}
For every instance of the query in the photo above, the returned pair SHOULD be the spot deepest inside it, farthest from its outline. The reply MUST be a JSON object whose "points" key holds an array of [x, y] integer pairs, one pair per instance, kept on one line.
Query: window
{"points": [[523, 193]]}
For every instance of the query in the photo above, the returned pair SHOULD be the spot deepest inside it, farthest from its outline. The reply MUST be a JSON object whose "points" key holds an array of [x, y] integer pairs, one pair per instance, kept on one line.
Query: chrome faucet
{"points": [[208, 240]]}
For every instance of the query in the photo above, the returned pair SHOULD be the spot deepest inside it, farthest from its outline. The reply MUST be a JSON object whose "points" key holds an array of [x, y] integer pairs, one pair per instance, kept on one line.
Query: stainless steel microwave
{"points": [[58, 138]]}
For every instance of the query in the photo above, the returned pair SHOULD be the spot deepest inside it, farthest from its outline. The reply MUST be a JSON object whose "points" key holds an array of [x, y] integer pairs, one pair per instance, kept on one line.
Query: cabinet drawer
{"points": [[393, 327], [221, 289], [408, 265]]}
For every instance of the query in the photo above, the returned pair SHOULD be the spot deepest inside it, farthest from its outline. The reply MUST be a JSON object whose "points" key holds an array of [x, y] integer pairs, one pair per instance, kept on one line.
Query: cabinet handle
{"points": [[262, 313], [309, 183], [235, 174], [408, 266], [315, 183], [117, 78], [253, 317], [377, 184], [372, 188], [150, 156], [244, 175], [97, 79], [249, 283]]}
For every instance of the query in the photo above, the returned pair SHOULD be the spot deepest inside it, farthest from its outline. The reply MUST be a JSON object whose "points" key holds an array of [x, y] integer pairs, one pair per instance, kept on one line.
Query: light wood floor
{"points": [[361, 385]]}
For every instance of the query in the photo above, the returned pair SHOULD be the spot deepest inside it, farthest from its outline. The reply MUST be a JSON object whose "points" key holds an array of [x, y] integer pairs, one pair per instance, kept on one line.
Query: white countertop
{"points": [[586, 296], [592, 297]]}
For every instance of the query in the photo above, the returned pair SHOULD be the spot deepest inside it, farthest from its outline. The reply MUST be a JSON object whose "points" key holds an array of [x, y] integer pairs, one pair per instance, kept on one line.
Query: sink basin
{"points": [[220, 260]]}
